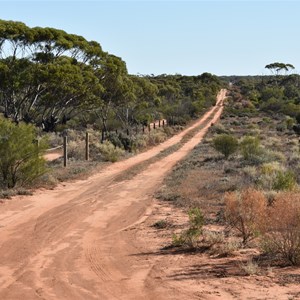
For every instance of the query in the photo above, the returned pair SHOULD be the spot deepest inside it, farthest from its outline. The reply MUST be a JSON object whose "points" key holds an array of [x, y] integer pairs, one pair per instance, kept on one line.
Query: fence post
{"points": [[159, 123], [65, 149], [102, 136], [154, 125], [65, 143], [163, 123], [87, 146]]}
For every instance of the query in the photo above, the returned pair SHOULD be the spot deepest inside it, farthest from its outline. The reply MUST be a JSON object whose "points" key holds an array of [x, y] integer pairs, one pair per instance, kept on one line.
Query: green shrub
{"points": [[21, 160], [281, 127], [219, 129], [225, 144], [284, 180], [289, 122], [268, 173], [190, 236], [110, 152], [250, 148], [156, 137], [160, 224]]}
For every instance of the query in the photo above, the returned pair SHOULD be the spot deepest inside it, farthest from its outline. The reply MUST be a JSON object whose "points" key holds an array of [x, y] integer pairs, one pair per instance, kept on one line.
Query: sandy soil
{"points": [[53, 155], [92, 239]]}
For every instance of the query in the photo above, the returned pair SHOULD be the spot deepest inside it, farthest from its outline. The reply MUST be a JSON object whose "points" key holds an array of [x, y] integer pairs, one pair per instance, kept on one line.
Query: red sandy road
{"points": [[69, 243]]}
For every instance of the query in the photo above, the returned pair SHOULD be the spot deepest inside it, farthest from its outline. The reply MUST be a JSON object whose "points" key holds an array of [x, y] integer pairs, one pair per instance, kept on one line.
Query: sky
{"points": [[168, 37]]}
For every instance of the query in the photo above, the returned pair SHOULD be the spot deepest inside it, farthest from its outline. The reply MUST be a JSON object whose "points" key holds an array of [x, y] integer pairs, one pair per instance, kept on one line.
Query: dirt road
{"points": [[78, 240]]}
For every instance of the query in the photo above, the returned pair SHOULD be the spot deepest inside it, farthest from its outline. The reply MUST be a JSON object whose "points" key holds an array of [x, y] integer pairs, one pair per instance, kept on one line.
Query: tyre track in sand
{"points": [[73, 242]]}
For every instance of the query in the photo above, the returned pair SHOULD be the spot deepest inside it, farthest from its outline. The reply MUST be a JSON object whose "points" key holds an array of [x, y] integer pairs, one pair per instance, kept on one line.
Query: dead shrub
{"points": [[250, 267], [245, 211], [282, 229]]}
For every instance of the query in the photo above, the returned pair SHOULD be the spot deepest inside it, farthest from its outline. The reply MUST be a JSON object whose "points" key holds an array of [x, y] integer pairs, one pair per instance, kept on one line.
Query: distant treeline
{"points": [[274, 94], [55, 80]]}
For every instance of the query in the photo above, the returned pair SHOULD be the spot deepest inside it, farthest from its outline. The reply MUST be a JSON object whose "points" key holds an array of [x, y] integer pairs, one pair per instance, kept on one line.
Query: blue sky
{"points": [[186, 37]]}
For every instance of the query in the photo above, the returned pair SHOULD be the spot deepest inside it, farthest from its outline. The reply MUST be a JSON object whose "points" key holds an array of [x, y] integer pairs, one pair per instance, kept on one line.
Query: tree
{"points": [[21, 158], [225, 144], [46, 73], [277, 67]]}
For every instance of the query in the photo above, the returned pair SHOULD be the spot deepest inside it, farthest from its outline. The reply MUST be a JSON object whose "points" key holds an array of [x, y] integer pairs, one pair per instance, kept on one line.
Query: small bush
{"points": [[212, 238], [250, 267], [76, 150], [190, 236], [281, 127], [160, 224], [21, 160], [245, 211], [250, 148], [156, 137], [228, 248], [268, 173], [110, 152], [284, 180], [225, 144], [219, 129], [282, 228]]}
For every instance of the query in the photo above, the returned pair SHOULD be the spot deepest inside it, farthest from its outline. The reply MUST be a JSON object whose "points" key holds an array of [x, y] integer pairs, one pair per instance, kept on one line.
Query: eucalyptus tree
{"points": [[117, 89], [145, 108], [277, 67], [45, 72]]}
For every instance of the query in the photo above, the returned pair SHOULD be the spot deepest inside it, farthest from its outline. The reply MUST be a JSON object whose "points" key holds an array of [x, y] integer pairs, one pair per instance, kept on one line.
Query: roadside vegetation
{"points": [[240, 187], [64, 85], [244, 177]]}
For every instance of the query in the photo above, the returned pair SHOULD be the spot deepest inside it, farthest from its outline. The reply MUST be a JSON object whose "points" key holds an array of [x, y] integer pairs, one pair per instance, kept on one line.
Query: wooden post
{"points": [[149, 127], [65, 150], [154, 125], [159, 123], [87, 146], [163, 123], [102, 137]]}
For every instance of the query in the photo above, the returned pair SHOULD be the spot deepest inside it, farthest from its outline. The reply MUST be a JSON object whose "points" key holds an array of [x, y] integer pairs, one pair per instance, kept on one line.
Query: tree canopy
{"points": [[48, 77]]}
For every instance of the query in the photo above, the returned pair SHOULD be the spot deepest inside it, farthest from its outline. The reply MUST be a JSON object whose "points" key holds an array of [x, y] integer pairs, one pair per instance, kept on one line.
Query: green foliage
{"points": [[225, 144], [284, 180], [277, 67], [55, 80], [250, 148], [20, 157], [190, 236], [110, 152], [160, 224]]}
